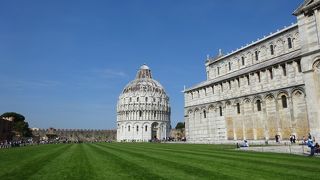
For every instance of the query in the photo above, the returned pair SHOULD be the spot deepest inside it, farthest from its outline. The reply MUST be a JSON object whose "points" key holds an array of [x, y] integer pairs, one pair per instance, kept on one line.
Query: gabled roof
{"points": [[306, 6]]}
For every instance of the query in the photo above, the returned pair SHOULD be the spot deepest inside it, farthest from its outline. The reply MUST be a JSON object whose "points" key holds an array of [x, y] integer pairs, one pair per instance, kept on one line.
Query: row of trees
{"points": [[19, 127]]}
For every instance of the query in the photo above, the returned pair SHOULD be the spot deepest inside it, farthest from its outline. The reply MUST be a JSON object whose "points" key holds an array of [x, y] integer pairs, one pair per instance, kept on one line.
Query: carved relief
{"points": [[316, 66]]}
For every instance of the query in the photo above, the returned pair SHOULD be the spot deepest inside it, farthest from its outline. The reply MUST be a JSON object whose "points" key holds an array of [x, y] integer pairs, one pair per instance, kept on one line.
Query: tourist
{"points": [[317, 148], [277, 138], [311, 146], [294, 139], [245, 144], [291, 139]]}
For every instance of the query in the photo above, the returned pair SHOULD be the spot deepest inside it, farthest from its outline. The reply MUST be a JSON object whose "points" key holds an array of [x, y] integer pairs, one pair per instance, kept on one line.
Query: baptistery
{"points": [[143, 109]]}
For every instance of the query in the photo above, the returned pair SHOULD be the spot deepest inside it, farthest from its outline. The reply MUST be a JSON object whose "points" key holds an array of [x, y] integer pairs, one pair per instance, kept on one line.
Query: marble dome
{"points": [[143, 110]]}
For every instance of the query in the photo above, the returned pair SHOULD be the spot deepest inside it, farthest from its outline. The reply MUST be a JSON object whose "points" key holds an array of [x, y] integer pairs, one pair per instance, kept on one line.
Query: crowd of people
{"points": [[16, 143]]}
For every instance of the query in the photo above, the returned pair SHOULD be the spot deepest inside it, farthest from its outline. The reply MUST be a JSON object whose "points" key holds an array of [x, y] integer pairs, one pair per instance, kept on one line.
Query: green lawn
{"points": [[151, 161]]}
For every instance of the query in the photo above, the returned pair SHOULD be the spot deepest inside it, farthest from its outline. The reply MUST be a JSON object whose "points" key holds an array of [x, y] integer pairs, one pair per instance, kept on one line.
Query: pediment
{"points": [[307, 6]]}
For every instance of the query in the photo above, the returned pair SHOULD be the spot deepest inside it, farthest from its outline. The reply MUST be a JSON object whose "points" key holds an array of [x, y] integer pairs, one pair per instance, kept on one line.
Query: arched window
{"points": [[238, 108], [220, 110], [129, 128], [271, 49], [229, 64], [137, 99], [146, 128], [289, 43], [256, 55], [242, 60], [284, 101], [284, 71], [137, 128], [146, 99], [299, 66], [140, 113], [271, 73], [130, 99], [154, 99], [258, 105], [155, 114], [204, 114]]}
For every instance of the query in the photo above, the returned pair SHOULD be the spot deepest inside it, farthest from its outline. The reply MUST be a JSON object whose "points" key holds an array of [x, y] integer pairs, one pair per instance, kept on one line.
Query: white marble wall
{"points": [[285, 84]]}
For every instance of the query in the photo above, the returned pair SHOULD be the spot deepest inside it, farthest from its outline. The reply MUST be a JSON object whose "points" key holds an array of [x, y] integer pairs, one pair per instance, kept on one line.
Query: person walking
{"points": [[311, 146]]}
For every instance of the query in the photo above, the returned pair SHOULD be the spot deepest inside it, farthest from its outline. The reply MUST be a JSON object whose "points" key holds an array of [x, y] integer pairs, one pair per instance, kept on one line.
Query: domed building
{"points": [[143, 110]]}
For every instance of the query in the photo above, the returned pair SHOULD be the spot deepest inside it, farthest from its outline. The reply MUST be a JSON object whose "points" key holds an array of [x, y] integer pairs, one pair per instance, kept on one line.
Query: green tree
{"points": [[19, 126], [16, 116], [180, 125]]}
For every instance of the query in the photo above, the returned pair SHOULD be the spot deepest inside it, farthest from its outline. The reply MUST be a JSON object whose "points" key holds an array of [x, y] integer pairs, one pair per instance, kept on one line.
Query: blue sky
{"points": [[64, 63]]}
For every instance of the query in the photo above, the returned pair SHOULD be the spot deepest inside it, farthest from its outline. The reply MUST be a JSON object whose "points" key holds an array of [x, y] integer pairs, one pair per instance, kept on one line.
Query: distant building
{"points": [[143, 110], [267, 88], [6, 124]]}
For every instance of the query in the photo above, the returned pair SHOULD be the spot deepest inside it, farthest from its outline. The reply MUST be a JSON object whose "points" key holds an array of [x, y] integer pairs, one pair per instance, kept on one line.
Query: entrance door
{"points": [[154, 131]]}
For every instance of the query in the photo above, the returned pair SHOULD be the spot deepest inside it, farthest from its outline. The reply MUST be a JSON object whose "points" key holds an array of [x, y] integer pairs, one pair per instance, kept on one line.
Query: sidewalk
{"points": [[289, 149]]}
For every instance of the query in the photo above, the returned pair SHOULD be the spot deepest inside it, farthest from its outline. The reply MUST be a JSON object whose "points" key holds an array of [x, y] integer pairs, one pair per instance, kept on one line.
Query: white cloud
{"points": [[110, 73]]}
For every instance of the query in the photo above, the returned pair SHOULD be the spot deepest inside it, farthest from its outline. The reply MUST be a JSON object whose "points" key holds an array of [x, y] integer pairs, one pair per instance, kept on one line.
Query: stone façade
{"points": [[267, 88]]}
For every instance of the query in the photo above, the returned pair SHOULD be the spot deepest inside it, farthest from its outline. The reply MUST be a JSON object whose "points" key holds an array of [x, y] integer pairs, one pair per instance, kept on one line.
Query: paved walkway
{"points": [[289, 149]]}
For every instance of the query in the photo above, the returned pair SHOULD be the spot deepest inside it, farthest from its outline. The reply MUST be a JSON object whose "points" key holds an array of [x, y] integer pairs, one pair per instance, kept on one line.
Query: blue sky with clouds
{"points": [[64, 63]]}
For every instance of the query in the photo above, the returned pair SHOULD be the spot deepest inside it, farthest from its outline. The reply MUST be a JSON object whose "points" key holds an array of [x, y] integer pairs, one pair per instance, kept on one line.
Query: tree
{"points": [[16, 117], [19, 126], [180, 125]]}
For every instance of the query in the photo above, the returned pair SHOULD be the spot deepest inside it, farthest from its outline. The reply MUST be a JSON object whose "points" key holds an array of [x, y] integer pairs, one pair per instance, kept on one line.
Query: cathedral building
{"points": [[265, 89], [143, 110]]}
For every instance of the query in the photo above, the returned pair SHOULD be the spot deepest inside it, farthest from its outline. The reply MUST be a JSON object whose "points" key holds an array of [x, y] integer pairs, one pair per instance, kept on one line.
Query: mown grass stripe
{"points": [[133, 170], [262, 163], [268, 157], [31, 166], [9, 157], [197, 148], [151, 161], [247, 165], [71, 164], [188, 169]]}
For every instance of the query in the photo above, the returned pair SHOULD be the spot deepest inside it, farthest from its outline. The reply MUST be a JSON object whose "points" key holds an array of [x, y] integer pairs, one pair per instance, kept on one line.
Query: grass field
{"points": [[151, 161]]}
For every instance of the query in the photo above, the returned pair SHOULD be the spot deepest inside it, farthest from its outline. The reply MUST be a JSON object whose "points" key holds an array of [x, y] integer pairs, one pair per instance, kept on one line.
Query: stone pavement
{"points": [[289, 149]]}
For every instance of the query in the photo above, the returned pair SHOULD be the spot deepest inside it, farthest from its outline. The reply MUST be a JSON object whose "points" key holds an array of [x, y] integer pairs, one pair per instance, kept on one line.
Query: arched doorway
{"points": [[155, 131]]}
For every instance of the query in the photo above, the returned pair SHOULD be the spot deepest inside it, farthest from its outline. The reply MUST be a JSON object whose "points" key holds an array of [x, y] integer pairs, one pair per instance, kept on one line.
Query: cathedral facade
{"points": [[268, 88], [143, 110]]}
